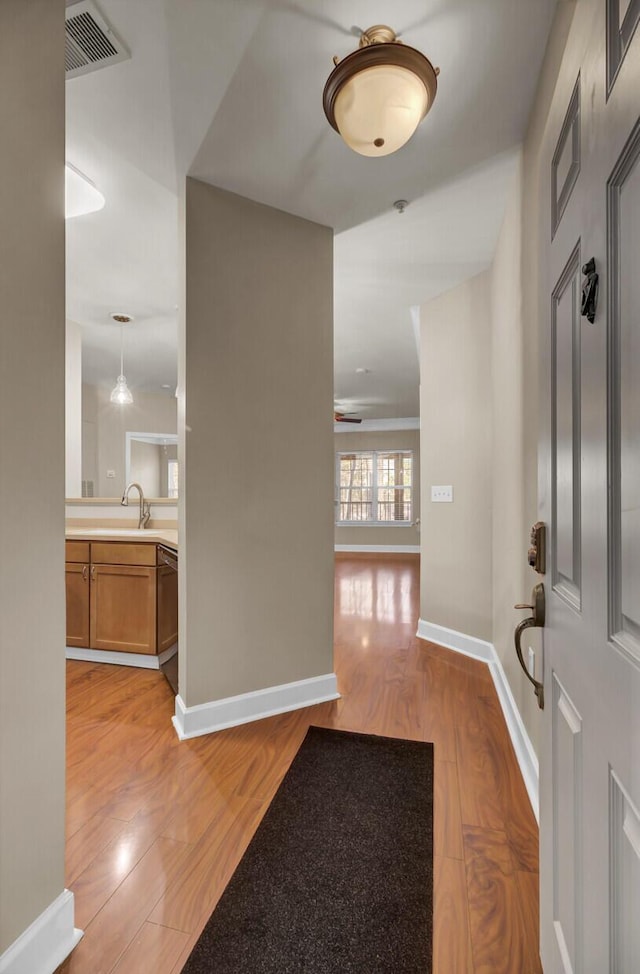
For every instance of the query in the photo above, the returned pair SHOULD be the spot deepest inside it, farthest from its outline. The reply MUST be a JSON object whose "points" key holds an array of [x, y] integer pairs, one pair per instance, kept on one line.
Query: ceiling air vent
{"points": [[91, 42]]}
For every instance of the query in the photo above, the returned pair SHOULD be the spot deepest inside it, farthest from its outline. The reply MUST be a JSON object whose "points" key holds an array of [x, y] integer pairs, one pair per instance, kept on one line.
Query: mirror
{"points": [[119, 444], [107, 445], [151, 460]]}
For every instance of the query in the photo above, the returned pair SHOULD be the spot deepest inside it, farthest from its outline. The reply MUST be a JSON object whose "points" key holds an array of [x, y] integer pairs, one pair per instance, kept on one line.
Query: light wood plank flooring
{"points": [[156, 827]]}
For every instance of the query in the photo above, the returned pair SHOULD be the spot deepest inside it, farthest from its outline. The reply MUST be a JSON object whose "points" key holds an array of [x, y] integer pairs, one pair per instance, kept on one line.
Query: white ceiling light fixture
{"points": [[121, 393], [377, 96], [81, 196]]}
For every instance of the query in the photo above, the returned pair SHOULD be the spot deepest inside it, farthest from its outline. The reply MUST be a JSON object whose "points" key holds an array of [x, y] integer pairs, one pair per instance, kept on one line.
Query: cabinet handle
{"points": [[85, 570], [93, 573]]}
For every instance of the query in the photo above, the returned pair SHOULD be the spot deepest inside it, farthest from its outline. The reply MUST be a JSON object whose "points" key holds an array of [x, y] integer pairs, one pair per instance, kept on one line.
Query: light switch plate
{"points": [[442, 495], [111, 474], [531, 662]]}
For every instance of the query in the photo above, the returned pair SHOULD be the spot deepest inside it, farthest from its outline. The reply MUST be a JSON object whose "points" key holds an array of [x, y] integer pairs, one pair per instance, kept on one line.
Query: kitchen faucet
{"points": [[145, 511]]}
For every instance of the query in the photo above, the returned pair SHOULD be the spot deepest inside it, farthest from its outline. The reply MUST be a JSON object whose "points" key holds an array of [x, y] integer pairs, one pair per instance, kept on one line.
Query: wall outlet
{"points": [[442, 495], [111, 474], [531, 662]]}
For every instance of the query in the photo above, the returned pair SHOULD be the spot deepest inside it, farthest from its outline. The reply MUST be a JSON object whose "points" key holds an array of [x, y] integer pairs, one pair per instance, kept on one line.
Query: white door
{"points": [[590, 497]]}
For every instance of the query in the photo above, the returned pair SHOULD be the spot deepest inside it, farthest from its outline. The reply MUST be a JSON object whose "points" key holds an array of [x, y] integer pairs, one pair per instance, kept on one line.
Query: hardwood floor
{"points": [[156, 827]]}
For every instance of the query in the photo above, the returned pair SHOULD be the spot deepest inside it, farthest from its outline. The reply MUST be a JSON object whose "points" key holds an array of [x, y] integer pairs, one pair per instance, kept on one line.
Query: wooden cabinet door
{"points": [[77, 586], [123, 608], [167, 607]]}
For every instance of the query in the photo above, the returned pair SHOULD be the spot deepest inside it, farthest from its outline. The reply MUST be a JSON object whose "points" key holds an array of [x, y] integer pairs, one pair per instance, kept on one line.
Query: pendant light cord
{"points": [[121, 349]]}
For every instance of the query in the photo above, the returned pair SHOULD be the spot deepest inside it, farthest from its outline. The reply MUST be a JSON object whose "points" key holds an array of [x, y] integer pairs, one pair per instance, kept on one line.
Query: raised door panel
{"points": [[167, 608], [623, 17], [567, 828], [565, 442], [624, 389], [123, 608], [565, 166], [624, 855], [77, 591]]}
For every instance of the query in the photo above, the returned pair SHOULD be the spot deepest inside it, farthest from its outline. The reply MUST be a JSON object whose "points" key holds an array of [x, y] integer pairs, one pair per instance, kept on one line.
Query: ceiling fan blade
{"points": [[340, 418], [444, 6], [317, 18]]}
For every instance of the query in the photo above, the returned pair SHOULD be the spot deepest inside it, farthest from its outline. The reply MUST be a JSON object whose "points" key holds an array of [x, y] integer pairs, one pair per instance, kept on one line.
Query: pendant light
{"points": [[377, 96], [121, 393]]}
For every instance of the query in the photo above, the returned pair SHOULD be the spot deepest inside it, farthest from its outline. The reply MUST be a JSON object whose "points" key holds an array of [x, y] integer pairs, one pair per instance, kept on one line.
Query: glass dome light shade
{"points": [[377, 96], [378, 109], [121, 393]]}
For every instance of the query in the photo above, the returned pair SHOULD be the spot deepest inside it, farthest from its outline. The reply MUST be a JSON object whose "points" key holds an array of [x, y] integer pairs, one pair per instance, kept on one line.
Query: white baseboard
{"points": [[42, 947], [407, 549], [525, 754], [451, 639], [143, 660], [486, 652], [206, 718]]}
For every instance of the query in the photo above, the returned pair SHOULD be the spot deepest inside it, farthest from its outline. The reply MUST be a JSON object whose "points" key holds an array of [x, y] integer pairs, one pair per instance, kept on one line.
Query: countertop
{"points": [[165, 536]]}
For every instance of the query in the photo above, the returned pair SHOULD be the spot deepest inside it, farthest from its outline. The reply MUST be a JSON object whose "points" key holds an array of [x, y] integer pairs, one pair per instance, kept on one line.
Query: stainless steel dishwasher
{"points": [[167, 608]]}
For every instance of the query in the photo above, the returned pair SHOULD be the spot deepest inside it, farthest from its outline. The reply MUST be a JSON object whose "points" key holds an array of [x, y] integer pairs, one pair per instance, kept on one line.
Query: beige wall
{"points": [[515, 322], [145, 467], [32, 408], [256, 512], [455, 446], [147, 413], [393, 440], [150, 466], [514, 441], [508, 314], [166, 453]]}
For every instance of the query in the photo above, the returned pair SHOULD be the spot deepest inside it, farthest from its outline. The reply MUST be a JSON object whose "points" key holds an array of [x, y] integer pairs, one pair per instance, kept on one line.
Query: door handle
{"points": [[535, 620]]}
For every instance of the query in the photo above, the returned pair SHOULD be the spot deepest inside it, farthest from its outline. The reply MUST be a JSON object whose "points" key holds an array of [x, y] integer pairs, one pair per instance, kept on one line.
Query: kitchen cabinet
{"points": [[121, 597], [77, 587], [123, 608]]}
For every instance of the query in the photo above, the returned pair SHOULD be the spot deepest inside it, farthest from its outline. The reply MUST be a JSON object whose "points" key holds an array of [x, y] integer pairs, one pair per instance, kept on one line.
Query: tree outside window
{"points": [[374, 487]]}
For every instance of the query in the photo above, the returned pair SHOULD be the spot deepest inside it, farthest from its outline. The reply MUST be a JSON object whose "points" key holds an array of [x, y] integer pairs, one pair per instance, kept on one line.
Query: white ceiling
{"points": [[231, 92]]}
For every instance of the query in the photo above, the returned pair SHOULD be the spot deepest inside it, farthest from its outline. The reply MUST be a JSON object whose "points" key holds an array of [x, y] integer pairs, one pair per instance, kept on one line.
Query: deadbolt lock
{"points": [[537, 554]]}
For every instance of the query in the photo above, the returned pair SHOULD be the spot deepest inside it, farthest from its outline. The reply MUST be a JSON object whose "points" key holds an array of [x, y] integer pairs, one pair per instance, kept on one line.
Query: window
{"points": [[374, 487], [172, 478]]}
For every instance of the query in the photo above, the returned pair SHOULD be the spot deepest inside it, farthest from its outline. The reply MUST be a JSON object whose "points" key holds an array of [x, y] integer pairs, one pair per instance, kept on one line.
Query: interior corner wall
{"points": [[256, 515], [382, 537], [32, 465], [514, 426], [516, 316], [455, 446]]}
